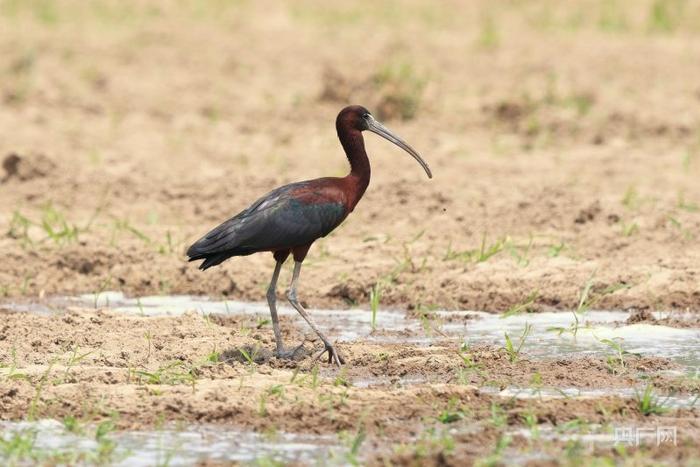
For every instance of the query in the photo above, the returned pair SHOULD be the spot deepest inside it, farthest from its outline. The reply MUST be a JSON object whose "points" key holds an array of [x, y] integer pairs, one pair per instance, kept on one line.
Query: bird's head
{"points": [[359, 118]]}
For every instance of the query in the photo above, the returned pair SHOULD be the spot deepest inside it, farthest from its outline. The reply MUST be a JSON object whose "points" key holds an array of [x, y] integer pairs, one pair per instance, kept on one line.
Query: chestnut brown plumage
{"points": [[289, 219]]}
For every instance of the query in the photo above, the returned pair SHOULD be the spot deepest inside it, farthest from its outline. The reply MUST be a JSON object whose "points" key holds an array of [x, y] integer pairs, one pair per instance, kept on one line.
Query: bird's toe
{"points": [[333, 356]]}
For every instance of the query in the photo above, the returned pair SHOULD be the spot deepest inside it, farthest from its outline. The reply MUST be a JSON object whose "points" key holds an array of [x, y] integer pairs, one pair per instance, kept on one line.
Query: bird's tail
{"points": [[202, 250], [210, 260], [219, 244]]}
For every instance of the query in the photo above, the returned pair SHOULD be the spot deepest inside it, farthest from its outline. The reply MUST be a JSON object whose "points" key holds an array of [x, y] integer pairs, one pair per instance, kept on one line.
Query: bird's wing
{"points": [[280, 219]]}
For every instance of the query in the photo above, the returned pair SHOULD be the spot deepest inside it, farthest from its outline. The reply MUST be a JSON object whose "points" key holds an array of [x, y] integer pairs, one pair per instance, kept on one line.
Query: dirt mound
{"points": [[26, 167]]}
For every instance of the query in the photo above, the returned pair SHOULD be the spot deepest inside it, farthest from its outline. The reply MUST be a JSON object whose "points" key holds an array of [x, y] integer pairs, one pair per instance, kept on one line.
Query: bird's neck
{"points": [[358, 178]]}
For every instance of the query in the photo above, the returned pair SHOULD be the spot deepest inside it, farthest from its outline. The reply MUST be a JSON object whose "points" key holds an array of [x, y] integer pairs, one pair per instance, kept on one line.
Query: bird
{"points": [[289, 219]]}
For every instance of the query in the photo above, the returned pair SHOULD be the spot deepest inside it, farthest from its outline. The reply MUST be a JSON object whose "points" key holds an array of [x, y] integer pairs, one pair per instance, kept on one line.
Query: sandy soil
{"points": [[142, 139], [565, 145]]}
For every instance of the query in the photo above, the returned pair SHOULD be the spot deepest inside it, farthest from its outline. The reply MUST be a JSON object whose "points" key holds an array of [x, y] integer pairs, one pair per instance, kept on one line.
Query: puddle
{"points": [[679, 344], [175, 447], [589, 437], [670, 402], [380, 381], [627, 435]]}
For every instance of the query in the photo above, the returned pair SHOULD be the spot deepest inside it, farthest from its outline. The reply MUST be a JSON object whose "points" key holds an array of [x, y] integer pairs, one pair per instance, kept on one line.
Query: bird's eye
{"points": [[366, 116]]}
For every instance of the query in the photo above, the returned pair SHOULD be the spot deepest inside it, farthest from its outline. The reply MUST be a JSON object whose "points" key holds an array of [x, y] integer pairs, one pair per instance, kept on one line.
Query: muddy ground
{"points": [[219, 369], [564, 141]]}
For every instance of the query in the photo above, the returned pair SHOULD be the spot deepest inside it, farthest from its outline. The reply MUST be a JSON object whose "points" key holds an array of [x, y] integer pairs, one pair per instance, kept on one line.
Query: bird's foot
{"points": [[333, 357], [291, 354]]}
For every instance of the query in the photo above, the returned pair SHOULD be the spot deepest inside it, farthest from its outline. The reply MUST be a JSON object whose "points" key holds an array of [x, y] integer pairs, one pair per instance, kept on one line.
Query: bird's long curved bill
{"points": [[376, 127]]}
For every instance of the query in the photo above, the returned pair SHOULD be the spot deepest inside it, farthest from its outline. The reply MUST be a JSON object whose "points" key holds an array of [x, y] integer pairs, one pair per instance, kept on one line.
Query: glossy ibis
{"points": [[291, 218]]}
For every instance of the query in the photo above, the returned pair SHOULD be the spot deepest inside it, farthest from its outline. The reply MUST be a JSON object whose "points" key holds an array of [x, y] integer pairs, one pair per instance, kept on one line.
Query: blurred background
{"points": [[564, 138]]}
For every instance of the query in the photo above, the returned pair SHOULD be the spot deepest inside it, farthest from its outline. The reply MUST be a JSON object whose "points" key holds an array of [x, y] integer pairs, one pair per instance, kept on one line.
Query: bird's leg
{"points": [[333, 356], [272, 301]]}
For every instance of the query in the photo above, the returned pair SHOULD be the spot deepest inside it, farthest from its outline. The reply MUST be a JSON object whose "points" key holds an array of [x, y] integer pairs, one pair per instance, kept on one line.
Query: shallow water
{"points": [[600, 435], [595, 327], [670, 402], [473, 327], [178, 447]]}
